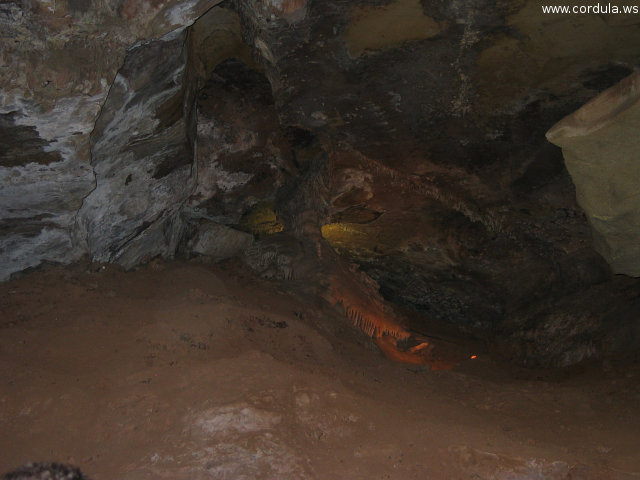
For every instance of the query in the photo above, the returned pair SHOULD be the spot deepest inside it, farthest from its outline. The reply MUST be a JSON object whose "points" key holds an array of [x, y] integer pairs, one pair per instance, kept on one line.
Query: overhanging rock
{"points": [[601, 148]]}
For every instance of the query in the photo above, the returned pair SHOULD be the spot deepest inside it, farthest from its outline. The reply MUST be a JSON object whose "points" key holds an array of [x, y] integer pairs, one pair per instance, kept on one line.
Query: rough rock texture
{"points": [[602, 151], [45, 471], [418, 155], [219, 242], [58, 61], [436, 178], [43, 185], [141, 156], [242, 155]]}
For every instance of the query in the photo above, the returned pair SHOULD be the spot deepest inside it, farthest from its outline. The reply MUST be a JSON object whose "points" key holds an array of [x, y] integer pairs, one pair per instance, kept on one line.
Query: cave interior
{"points": [[446, 188]]}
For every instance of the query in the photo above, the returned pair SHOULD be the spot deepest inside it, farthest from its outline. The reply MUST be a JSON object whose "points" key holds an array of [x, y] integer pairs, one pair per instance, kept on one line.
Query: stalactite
{"points": [[364, 309]]}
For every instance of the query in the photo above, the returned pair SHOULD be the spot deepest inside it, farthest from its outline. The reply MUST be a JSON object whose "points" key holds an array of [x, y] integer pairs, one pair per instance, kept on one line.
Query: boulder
{"points": [[219, 241], [601, 148]]}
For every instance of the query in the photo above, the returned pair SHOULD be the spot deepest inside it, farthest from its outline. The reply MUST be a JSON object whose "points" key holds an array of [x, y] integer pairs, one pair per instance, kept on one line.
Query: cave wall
{"points": [[441, 185], [141, 154], [59, 61], [419, 153]]}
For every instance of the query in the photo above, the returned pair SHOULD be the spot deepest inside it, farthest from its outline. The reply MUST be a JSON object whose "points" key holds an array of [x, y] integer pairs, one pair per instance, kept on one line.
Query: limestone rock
{"points": [[376, 28], [58, 60], [292, 11], [277, 256], [242, 157], [601, 149], [219, 241], [462, 212], [44, 176], [140, 153]]}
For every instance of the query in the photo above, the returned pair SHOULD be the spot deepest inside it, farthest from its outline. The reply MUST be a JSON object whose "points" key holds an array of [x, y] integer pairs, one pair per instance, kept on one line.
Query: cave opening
{"points": [[301, 239]]}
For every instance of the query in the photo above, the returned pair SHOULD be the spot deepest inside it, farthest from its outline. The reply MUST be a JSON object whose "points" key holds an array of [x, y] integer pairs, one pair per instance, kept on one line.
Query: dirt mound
{"points": [[187, 371]]}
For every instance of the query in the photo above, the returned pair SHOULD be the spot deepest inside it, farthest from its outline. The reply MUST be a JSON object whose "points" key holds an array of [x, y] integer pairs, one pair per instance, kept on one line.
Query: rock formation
{"points": [[284, 131], [45, 471], [601, 151], [59, 61]]}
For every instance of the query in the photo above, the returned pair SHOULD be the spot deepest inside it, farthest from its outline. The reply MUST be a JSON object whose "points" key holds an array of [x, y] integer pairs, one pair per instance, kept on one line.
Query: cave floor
{"points": [[191, 371]]}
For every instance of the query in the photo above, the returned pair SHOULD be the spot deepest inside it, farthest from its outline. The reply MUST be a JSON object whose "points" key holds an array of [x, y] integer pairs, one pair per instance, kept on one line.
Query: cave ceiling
{"points": [[405, 137]]}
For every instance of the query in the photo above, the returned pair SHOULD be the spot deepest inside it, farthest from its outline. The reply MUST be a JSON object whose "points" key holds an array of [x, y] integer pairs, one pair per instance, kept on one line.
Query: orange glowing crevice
{"points": [[358, 297], [421, 354], [375, 325], [365, 310], [414, 356]]}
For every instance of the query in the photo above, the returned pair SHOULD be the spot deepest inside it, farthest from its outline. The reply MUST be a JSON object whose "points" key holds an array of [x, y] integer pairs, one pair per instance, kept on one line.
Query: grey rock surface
{"points": [[601, 149], [58, 63], [219, 241], [141, 154]]}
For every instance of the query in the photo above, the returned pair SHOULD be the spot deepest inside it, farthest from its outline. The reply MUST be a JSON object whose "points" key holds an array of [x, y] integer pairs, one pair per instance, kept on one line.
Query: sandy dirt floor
{"points": [[189, 371]]}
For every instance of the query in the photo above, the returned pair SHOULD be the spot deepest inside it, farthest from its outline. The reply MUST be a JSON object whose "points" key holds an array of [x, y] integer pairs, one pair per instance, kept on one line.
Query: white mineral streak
{"points": [[69, 122], [183, 13]]}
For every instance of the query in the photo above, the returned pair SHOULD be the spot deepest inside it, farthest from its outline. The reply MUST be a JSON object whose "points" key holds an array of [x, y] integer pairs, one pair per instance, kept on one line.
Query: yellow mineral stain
{"points": [[261, 220], [341, 234]]}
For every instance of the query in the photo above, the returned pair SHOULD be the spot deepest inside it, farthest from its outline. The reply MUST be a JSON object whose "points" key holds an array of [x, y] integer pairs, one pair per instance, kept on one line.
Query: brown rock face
{"points": [[381, 27], [438, 180], [417, 153], [290, 10]]}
